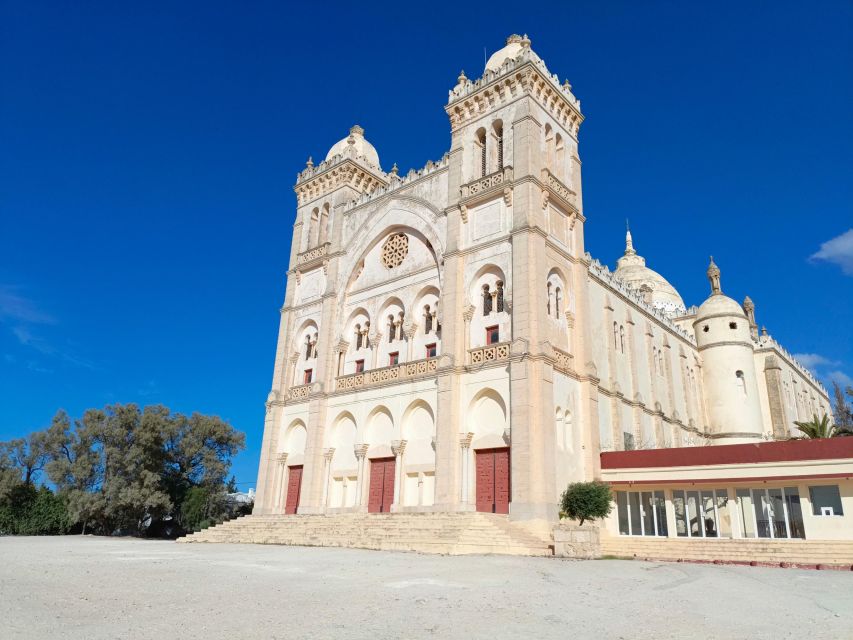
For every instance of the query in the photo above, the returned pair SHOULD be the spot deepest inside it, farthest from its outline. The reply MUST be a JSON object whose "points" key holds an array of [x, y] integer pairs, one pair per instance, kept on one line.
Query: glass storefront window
{"points": [[724, 516], [680, 513], [795, 512], [634, 504], [641, 513], [622, 511], [660, 513]]}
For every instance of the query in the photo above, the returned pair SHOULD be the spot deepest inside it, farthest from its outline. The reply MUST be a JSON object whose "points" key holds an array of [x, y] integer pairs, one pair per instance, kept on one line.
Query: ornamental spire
{"points": [[629, 241], [714, 278]]}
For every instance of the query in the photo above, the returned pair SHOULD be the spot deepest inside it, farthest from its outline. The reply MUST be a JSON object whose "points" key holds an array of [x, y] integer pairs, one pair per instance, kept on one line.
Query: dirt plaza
{"points": [[91, 587]]}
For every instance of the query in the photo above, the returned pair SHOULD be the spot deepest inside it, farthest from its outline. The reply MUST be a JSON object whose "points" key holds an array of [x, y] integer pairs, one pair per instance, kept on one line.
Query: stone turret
{"points": [[728, 366]]}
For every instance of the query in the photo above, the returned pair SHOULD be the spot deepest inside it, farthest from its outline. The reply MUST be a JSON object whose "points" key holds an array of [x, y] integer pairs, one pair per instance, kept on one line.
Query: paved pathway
{"points": [[94, 588]]}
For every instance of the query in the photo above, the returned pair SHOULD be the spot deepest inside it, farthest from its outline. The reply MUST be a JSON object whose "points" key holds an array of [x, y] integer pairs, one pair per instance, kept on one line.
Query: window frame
{"points": [[433, 346], [308, 376], [393, 358], [496, 329]]}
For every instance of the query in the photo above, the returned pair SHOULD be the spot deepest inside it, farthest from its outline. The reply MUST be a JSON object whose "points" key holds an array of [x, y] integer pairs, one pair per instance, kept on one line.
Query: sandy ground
{"points": [[87, 587]]}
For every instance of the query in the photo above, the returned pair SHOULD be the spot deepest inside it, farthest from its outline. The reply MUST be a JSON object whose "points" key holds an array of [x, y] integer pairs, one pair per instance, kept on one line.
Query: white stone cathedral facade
{"points": [[447, 343]]}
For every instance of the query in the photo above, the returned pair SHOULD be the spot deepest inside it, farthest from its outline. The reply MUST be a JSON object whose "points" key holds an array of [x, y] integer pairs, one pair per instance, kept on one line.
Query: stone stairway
{"points": [[760, 550], [447, 533]]}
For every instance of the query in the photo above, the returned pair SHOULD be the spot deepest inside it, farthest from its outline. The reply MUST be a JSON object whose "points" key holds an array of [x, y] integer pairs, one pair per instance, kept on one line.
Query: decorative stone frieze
{"points": [[315, 182], [528, 74]]}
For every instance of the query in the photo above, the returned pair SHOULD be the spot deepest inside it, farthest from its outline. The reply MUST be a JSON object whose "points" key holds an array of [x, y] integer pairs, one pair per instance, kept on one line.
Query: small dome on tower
{"points": [[632, 270], [515, 44], [356, 144]]}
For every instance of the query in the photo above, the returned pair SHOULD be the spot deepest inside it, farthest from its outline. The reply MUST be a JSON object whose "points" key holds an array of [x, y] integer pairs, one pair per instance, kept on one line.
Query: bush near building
{"points": [[584, 501]]}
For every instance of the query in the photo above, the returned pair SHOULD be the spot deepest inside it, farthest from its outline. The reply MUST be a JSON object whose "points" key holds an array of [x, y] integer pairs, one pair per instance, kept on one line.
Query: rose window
{"points": [[394, 250]]}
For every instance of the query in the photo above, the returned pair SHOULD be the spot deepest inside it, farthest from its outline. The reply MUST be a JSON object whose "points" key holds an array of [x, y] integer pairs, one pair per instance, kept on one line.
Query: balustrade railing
{"points": [[489, 353], [403, 371], [487, 183], [313, 254]]}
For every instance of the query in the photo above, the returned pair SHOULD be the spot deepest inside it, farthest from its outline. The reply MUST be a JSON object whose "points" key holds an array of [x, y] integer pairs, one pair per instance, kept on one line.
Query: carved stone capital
{"points": [[463, 210], [398, 447], [360, 450], [465, 439], [508, 196], [468, 314], [328, 453], [281, 458]]}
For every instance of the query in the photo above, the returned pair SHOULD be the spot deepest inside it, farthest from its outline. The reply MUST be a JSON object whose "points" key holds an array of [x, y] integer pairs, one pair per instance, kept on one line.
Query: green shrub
{"points": [[194, 509], [586, 501], [28, 511]]}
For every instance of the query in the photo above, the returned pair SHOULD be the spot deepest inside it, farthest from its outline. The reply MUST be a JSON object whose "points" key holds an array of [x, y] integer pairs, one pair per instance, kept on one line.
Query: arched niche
{"points": [[487, 419]]}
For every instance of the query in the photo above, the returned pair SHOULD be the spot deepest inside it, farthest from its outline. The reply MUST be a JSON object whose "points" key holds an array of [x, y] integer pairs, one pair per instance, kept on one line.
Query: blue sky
{"points": [[148, 153]]}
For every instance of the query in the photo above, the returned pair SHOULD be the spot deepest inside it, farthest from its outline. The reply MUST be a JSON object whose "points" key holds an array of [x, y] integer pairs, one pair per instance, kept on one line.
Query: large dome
{"points": [[356, 144], [515, 44], [632, 270]]}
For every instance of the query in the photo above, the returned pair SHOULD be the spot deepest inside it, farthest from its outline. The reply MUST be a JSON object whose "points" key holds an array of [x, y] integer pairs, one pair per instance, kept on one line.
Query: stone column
{"points": [[465, 444], [398, 447], [360, 451], [280, 490], [410, 331], [375, 341], [328, 454]]}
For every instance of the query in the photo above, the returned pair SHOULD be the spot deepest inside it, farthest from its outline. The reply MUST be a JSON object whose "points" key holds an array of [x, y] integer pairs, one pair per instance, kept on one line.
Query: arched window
{"points": [[324, 225], [499, 143], [487, 300], [307, 347], [559, 156], [392, 329], [481, 151], [615, 335], [358, 337], [549, 146], [622, 338], [741, 381], [558, 298], [548, 301], [313, 227], [500, 296], [427, 319]]}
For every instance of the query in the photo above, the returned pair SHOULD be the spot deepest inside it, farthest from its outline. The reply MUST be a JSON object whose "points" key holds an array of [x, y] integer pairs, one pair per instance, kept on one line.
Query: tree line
{"points": [[119, 470]]}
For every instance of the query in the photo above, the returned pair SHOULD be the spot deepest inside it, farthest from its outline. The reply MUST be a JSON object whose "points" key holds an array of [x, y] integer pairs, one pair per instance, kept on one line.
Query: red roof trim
{"points": [[727, 481], [783, 451]]}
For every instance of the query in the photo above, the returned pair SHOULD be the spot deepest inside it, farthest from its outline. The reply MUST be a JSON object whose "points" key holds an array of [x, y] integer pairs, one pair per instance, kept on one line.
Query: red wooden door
{"points": [[294, 488], [502, 480], [381, 492], [493, 490], [485, 480]]}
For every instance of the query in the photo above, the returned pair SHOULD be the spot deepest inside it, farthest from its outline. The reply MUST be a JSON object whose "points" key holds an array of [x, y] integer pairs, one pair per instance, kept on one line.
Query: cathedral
{"points": [[448, 343]]}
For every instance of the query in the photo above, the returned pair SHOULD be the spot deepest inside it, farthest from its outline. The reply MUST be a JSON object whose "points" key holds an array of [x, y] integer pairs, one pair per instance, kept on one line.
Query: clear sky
{"points": [[148, 153]]}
